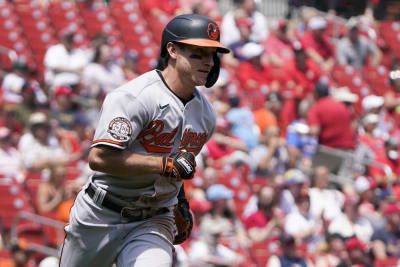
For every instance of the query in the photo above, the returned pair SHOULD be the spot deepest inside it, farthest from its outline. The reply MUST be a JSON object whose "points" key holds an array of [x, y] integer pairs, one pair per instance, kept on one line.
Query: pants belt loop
{"points": [[99, 195]]}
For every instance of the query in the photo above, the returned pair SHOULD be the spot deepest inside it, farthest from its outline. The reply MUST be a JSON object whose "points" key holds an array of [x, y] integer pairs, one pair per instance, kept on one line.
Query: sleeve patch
{"points": [[120, 129]]}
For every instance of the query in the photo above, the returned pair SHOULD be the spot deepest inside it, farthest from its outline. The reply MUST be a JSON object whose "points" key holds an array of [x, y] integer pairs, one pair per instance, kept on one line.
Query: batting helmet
{"points": [[196, 30]]}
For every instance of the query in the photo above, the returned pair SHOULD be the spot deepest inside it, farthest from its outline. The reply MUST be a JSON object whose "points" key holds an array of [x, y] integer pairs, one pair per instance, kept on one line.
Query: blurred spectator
{"points": [[375, 104], [11, 164], [357, 254], [326, 201], [305, 227], [389, 163], [12, 118], [253, 75], [300, 74], [301, 145], [102, 74], [333, 253], [355, 49], [39, 146], [52, 193], [351, 223], [271, 156], [344, 95], [394, 80], [236, 56], [295, 183], [208, 8], [278, 45], [289, 256], [223, 148], [130, 65], [64, 63], [19, 257], [64, 108], [242, 122], [269, 115], [218, 224], [385, 241], [324, 124], [244, 9], [19, 87], [267, 222], [369, 202], [317, 45], [209, 251], [369, 137]]}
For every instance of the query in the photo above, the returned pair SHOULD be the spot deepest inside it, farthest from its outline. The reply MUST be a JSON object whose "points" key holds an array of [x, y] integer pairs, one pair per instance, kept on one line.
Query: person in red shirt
{"points": [[323, 118], [266, 223], [331, 122], [253, 75], [278, 44], [301, 74], [389, 159], [317, 44]]}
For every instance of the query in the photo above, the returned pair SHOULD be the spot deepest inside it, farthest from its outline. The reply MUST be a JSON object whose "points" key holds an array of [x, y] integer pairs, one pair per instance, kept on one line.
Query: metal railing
{"points": [[348, 160], [46, 250]]}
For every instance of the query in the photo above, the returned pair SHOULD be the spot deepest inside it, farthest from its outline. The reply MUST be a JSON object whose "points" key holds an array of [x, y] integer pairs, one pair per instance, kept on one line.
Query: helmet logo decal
{"points": [[213, 31]]}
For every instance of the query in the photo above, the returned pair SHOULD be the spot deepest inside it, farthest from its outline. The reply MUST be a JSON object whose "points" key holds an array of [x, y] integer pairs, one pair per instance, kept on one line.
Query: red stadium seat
{"points": [[377, 78], [388, 262], [13, 199]]}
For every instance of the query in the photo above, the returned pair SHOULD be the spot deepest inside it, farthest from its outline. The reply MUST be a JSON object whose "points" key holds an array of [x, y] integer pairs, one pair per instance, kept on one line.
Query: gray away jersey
{"points": [[146, 117]]}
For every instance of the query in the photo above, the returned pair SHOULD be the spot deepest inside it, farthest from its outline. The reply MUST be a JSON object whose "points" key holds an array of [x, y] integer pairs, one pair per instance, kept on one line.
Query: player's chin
{"points": [[200, 80]]}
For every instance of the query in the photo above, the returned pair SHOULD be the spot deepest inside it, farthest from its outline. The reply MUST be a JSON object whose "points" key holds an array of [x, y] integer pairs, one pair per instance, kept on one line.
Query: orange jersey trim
{"points": [[107, 141]]}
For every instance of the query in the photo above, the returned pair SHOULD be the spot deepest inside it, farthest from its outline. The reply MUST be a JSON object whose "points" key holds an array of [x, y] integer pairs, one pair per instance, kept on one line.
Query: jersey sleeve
{"points": [[122, 117]]}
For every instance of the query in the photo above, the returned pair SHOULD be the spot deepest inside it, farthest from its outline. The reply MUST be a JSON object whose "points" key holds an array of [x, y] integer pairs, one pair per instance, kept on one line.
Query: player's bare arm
{"points": [[122, 163]]}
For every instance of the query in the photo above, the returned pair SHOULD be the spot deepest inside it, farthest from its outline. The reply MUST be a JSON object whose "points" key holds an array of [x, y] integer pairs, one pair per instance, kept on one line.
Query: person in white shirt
{"points": [[324, 201], [246, 8], [38, 146], [10, 158], [103, 74], [64, 63]]}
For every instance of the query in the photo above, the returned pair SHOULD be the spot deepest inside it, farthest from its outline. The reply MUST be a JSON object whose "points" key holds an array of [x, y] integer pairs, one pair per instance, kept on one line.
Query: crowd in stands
{"points": [[303, 168]]}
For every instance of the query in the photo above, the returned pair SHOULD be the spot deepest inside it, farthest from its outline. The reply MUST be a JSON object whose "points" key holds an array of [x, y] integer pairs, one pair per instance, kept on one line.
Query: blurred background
{"points": [[302, 170]]}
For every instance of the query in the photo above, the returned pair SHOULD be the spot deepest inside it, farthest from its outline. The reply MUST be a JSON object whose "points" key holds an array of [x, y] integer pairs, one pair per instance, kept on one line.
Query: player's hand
{"points": [[179, 165]]}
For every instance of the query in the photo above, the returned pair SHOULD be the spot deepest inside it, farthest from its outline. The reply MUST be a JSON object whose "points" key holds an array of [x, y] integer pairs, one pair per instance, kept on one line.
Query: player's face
{"points": [[195, 62]]}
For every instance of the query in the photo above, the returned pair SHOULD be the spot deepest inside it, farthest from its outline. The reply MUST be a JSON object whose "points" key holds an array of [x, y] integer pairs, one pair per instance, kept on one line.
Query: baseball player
{"points": [[133, 209]]}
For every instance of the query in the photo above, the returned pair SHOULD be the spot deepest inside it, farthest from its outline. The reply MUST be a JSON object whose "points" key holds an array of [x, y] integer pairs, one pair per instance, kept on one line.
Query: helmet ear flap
{"points": [[214, 72]]}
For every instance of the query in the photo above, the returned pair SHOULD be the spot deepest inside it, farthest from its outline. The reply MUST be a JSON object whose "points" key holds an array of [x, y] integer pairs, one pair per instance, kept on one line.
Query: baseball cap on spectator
{"points": [[371, 102], [294, 176], [343, 94], [370, 118], [218, 191], [63, 90], [300, 127], [38, 118], [391, 208], [354, 243], [363, 183], [317, 23], [251, 50]]}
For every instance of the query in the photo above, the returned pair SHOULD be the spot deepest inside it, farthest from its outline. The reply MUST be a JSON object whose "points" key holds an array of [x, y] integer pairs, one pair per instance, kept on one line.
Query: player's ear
{"points": [[172, 50]]}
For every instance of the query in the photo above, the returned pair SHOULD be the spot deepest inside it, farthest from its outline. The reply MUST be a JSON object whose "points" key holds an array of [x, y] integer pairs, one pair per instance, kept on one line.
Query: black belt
{"points": [[132, 213]]}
